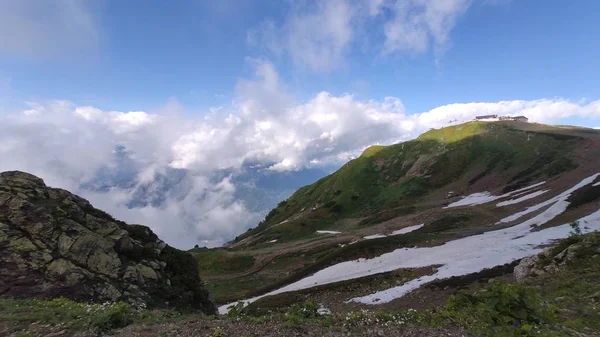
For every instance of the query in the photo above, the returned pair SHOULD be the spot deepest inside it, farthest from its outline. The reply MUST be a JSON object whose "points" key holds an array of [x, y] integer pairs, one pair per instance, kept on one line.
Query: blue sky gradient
{"points": [[149, 51]]}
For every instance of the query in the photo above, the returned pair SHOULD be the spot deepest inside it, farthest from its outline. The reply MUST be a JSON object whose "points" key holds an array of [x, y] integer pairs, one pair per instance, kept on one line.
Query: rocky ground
{"points": [[212, 328]]}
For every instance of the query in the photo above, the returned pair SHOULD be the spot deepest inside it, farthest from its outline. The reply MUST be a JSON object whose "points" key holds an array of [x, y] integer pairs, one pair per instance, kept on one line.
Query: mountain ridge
{"points": [[388, 181]]}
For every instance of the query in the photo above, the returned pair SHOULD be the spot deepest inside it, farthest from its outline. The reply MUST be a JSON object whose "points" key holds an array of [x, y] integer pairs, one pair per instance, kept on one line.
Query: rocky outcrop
{"points": [[552, 259], [54, 243]]}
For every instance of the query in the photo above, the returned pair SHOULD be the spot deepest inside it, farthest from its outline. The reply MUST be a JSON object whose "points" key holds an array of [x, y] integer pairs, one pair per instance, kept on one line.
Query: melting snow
{"points": [[474, 199], [485, 197], [374, 236], [406, 230], [472, 254], [323, 310], [562, 198], [328, 232], [398, 232], [459, 257], [521, 199]]}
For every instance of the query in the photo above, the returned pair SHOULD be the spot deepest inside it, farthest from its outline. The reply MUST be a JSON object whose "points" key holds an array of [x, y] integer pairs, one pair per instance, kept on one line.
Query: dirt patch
{"points": [[207, 327]]}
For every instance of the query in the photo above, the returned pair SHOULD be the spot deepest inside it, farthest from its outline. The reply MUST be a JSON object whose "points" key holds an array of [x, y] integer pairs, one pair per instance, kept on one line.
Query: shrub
{"points": [[236, 310], [502, 309], [116, 316], [576, 229], [218, 332]]}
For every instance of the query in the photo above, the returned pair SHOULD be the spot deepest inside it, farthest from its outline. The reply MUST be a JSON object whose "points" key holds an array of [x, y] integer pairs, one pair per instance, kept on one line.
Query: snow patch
{"points": [[407, 230], [459, 257], [328, 232], [596, 184], [563, 196], [479, 252], [273, 241], [374, 236], [485, 197], [521, 199], [474, 199], [323, 310]]}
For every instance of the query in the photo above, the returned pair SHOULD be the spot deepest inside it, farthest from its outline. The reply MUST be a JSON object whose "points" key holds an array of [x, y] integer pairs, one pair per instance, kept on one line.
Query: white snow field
{"points": [[485, 197], [459, 257], [328, 232]]}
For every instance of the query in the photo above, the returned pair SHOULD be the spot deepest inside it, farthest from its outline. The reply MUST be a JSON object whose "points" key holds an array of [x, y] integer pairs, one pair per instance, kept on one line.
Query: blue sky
{"points": [[149, 51], [190, 114]]}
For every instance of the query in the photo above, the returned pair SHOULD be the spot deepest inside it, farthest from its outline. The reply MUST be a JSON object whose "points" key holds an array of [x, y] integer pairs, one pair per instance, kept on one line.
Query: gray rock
{"points": [[54, 243]]}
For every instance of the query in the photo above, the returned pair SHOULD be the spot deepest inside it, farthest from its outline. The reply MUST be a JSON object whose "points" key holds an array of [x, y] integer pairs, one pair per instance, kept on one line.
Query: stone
{"points": [[148, 272], [65, 272], [54, 243], [104, 263]]}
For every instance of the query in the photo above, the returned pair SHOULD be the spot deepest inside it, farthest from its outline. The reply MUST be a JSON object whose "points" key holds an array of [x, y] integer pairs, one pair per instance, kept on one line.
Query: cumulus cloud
{"points": [[32, 28], [315, 35], [320, 34], [177, 174], [418, 23]]}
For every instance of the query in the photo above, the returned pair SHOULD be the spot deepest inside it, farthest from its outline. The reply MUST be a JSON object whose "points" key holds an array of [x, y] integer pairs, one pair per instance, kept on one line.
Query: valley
{"points": [[420, 238]]}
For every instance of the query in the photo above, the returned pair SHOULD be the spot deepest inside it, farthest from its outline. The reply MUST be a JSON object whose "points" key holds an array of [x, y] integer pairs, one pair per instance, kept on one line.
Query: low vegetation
{"points": [[216, 261], [23, 317]]}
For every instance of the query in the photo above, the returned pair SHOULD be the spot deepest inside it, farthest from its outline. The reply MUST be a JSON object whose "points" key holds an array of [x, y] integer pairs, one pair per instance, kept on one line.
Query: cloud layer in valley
{"points": [[177, 174]]}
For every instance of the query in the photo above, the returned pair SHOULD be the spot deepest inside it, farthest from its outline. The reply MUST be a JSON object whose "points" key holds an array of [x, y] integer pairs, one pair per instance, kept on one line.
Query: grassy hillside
{"points": [[390, 181]]}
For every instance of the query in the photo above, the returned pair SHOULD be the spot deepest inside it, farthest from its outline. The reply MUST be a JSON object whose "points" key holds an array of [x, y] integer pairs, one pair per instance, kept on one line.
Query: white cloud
{"points": [[32, 28], [70, 145], [315, 35], [320, 35], [541, 111], [417, 23]]}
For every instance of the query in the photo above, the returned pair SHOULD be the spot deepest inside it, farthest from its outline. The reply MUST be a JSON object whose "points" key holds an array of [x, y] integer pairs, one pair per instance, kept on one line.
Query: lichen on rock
{"points": [[54, 243]]}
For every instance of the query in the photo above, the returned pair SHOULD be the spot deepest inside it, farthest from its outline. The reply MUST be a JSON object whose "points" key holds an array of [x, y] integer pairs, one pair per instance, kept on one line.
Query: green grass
{"points": [[229, 290], [372, 150], [455, 133], [217, 261], [75, 316]]}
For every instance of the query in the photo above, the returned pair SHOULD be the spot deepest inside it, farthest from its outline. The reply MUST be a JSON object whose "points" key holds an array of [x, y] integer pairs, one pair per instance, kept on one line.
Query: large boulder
{"points": [[54, 243]]}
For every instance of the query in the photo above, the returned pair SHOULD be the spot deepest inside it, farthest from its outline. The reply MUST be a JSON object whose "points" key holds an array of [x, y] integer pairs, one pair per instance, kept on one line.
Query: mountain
{"points": [[55, 244], [450, 203], [426, 173]]}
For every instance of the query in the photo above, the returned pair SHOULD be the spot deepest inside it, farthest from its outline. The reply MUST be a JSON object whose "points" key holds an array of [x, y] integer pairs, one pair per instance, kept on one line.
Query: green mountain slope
{"points": [[413, 176]]}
